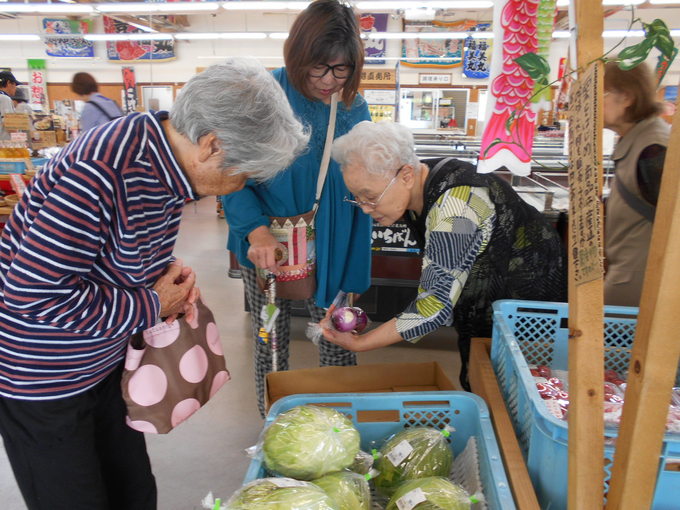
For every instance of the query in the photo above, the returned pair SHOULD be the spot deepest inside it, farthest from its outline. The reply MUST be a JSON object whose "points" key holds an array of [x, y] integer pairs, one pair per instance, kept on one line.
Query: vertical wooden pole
{"points": [[656, 349], [586, 349]]}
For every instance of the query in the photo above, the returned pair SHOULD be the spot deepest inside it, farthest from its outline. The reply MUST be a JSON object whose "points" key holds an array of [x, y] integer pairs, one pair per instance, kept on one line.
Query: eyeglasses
{"points": [[340, 71], [373, 205]]}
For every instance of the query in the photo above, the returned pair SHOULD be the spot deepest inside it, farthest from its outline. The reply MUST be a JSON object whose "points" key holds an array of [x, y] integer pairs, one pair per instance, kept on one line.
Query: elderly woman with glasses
{"points": [[480, 241], [324, 55]]}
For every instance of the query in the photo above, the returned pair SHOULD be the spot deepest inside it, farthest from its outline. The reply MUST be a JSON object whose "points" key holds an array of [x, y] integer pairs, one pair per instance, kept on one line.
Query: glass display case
{"points": [[441, 109]]}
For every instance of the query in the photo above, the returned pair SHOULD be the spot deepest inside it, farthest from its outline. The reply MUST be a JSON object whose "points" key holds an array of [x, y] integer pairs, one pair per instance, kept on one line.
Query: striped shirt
{"points": [[80, 253], [459, 226]]}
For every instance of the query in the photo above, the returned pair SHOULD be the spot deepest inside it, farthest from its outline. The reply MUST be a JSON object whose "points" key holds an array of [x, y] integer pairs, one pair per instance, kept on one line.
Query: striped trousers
{"points": [[329, 354]]}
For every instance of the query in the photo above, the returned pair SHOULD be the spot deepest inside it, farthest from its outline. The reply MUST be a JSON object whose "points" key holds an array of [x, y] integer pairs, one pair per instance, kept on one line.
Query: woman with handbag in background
{"points": [[331, 244]]}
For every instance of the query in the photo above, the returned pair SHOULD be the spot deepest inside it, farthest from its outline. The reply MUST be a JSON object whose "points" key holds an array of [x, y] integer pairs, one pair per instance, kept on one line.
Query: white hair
{"points": [[381, 148], [243, 105]]}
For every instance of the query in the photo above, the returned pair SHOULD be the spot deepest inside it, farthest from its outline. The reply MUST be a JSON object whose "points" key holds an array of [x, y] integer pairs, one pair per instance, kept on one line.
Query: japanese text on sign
{"points": [[585, 169]]}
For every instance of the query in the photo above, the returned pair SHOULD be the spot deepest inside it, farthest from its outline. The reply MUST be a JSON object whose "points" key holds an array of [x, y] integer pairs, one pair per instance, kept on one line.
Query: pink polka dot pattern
{"points": [[194, 364], [183, 410], [162, 334], [148, 385], [133, 358], [218, 381], [212, 336], [141, 425]]}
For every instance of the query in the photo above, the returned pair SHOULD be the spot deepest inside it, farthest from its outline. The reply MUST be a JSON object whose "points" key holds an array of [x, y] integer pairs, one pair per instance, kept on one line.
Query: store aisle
{"points": [[207, 452]]}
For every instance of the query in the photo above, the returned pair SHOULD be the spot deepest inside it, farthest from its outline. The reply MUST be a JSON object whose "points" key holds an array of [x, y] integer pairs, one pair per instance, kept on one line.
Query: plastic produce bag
{"points": [[280, 494], [349, 490], [432, 493], [308, 442], [417, 452]]}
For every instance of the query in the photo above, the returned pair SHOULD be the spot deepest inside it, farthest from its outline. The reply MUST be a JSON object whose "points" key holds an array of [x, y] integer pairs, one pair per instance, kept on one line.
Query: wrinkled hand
{"points": [[176, 290], [350, 340], [265, 251]]}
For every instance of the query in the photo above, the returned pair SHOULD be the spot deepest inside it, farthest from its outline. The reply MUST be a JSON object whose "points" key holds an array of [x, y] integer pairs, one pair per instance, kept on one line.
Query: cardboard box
{"points": [[378, 378]]}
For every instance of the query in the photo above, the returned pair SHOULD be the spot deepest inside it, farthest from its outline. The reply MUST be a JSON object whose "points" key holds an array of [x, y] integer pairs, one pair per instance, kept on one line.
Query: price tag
{"points": [[412, 498], [268, 315], [399, 453]]}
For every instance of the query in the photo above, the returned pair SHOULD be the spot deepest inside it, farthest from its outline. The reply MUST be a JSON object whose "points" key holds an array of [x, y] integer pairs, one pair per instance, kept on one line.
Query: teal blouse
{"points": [[343, 232]]}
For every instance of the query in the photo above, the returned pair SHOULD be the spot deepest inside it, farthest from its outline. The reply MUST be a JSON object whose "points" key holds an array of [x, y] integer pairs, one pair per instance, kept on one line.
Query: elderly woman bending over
{"points": [[481, 242]]}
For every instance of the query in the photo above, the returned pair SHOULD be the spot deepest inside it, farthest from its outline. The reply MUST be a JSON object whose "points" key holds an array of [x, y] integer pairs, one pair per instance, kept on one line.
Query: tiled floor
{"points": [[207, 452]]}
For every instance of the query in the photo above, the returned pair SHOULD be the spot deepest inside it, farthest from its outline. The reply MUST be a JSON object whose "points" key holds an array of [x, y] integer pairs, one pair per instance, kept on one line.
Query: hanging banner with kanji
{"points": [[374, 48], [129, 90], [134, 51], [37, 85], [477, 54], [67, 46], [434, 52]]}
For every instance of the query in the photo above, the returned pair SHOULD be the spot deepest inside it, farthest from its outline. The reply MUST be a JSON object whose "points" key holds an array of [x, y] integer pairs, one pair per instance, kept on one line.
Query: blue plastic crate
{"points": [[12, 167], [532, 332], [466, 412]]}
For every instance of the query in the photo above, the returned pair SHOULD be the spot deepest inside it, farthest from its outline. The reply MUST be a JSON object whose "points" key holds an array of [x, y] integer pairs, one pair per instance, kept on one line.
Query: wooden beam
{"points": [[586, 349], [484, 383], [654, 359]]}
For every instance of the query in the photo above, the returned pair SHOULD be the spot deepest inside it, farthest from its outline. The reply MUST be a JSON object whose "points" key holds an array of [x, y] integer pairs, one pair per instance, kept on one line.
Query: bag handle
{"points": [[326, 158]]}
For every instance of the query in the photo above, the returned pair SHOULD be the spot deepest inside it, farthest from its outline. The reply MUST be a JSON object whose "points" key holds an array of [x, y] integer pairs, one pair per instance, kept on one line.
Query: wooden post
{"points": [[656, 349], [586, 296]]}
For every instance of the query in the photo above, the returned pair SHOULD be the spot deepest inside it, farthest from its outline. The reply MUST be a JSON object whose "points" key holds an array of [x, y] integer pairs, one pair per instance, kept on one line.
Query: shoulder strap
{"points": [[110, 117], [647, 211], [326, 158]]}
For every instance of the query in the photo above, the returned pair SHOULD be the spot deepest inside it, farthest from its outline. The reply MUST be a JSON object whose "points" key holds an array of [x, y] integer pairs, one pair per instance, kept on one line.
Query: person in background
{"points": [[86, 261], [632, 112], [98, 109], [8, 87], [323, 56], [481, 242], [21, 103]]}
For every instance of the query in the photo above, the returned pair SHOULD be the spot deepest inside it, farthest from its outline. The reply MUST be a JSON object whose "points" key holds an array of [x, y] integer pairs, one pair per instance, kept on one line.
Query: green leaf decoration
{"points": [[632, 56], [535, 65]]}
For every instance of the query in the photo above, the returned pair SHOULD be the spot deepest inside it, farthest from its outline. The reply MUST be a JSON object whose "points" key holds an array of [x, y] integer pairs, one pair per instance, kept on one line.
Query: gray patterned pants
{"points": [[329, 354]]}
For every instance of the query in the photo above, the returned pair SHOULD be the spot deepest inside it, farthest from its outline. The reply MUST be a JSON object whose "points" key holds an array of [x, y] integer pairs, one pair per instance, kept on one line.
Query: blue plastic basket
{"points": [[12, 167], [466, 412], [532, 332]]}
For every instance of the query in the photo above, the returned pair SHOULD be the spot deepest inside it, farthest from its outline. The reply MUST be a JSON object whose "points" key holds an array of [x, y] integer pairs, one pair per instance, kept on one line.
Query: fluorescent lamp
{"points": [[46, 8], [418, 35], [565, 3], [147, 7], [561, 34], [220, 35], [128, 37], [664, 2], [19, 37], [264, 6], [278, 35], [434, 4]]}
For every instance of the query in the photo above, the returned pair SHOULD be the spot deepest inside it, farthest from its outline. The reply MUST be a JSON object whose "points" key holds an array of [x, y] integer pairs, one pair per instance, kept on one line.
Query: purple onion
{"points": [[347, 318]]}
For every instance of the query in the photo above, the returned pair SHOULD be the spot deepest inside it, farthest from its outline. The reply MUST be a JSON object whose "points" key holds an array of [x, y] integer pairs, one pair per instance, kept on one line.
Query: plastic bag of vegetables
{"points": [[432, 493], [349, 490], [280, 494], [417, 452], [308, 442]]}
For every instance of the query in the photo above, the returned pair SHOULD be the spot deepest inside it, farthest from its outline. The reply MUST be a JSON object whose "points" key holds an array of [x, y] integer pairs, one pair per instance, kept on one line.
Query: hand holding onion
{"points": [[349, 318]]}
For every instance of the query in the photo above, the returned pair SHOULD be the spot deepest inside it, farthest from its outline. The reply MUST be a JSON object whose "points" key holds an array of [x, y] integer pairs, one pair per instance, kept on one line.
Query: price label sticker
{"points": [[412, 498], [397, 454]]}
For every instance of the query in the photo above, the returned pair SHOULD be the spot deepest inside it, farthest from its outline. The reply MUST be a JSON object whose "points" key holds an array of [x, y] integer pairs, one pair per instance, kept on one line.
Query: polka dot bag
{"points": [[171, 370]]}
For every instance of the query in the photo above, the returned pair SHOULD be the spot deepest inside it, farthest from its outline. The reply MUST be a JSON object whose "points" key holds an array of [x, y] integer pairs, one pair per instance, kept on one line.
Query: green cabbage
{"points": [[438, 492], [430, 456], [349, 490], [280, 494], [307, 442]]}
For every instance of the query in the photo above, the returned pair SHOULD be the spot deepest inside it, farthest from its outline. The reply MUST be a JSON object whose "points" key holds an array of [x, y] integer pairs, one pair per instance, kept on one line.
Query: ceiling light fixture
{"points": [[264, 6], [151, 7], [29, 8], [19, 37], [128, 37], [434, 4], [219, 35]]}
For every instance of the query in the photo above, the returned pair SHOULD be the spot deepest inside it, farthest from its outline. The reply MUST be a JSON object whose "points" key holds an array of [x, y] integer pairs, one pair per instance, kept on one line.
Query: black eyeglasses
{"points": [[340, 71]]}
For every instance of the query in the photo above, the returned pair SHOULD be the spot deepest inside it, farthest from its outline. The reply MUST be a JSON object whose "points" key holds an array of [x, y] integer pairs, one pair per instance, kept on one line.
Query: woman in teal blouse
{"points": [[323, 56]]}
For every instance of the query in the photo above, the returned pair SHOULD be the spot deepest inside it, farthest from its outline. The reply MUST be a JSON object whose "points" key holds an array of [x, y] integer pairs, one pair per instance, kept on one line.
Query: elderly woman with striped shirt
{"points": [[480, 241], [86, 261]]}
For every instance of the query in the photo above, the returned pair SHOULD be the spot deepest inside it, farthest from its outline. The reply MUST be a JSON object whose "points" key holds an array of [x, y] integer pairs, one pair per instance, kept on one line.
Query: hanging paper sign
{"points": [[374, 48], [378, 77], [38, 84], [129, 90], [477, 54], [67, 46], [434, 52], [133, 51]]}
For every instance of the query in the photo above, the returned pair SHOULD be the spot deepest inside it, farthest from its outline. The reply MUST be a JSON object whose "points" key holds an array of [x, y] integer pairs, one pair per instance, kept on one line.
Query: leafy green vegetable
{"points": [[349, 490], [429, 455], [280, 494], [308, 442], [438, 492]]}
